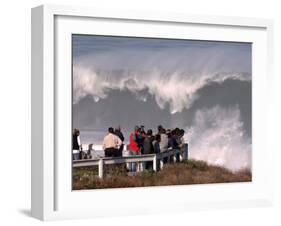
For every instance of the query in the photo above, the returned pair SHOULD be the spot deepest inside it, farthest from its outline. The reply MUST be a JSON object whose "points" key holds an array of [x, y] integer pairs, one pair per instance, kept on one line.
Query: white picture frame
{"points": [[52, 197]]}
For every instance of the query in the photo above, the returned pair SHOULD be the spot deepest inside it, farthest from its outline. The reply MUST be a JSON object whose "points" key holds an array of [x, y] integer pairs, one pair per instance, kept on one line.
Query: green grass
{"points": [[187, 172]]}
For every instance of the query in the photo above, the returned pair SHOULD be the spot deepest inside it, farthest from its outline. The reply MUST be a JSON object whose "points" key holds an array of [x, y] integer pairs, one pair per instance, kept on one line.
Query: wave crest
{"points": [[178, 90]]}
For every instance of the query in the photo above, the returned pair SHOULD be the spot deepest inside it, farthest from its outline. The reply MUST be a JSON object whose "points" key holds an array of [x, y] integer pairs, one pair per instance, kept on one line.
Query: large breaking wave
{"points": [[177, 89]]}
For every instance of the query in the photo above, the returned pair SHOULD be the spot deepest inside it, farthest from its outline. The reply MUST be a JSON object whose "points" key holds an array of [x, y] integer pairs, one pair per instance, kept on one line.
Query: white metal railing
{"points": [[171, 154]]}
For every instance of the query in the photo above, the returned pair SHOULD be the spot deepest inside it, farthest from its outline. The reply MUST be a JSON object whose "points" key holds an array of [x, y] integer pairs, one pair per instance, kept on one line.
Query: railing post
{"points": [[155, 163], [141, 166], [101, 168], [161, 163], [181, 157], [185, 155], [174, 158]]}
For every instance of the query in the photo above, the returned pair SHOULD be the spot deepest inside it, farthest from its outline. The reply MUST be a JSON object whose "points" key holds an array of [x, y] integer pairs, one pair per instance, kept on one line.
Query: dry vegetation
{"points": [[187, 172]]}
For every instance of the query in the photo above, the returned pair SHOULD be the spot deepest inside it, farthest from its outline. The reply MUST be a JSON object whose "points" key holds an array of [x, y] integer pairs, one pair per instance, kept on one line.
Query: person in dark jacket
{"points": [[119, 134], [148, 148], [155, 143], [160, 127], [173, 140], [147, 143], [76, 144]]}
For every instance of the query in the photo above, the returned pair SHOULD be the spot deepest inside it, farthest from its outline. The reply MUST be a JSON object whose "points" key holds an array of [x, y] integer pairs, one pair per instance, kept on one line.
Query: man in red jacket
{"points": [[134, 148]]}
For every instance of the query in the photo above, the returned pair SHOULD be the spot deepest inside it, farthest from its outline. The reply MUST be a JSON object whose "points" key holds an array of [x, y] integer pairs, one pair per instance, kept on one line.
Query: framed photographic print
{"points": [[159, 112]]}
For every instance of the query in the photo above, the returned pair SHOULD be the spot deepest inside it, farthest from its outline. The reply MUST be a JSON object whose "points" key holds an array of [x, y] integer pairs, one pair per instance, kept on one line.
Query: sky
{"points": [[201, 86]]}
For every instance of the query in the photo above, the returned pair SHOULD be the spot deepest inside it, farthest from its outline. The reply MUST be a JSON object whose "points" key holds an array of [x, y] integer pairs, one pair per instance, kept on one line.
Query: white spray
{"points": [[217, 136]]}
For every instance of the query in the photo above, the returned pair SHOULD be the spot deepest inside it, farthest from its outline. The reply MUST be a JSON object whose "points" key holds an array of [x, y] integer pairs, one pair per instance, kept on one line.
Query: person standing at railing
{"points": [[148, 148], [76, 144], [111, 144], [164, 140], [119, 134], [173, 144], [134, 148], [156, 142], [160, 127], [181, 140], [90, 151]]}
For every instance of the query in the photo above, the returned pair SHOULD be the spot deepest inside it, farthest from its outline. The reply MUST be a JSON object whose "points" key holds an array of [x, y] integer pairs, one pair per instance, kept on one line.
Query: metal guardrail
{"points": [[182, 153]]}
